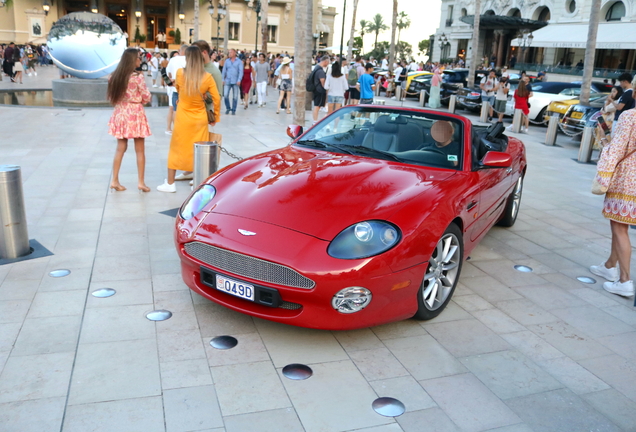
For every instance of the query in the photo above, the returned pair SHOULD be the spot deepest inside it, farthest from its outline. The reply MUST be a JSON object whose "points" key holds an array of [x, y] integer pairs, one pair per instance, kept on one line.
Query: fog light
{"points": [[352, 299]]}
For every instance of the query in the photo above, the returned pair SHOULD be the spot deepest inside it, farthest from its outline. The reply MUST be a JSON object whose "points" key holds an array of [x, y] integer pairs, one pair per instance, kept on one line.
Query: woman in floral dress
{"points": [[616, 170], [128, 92]]}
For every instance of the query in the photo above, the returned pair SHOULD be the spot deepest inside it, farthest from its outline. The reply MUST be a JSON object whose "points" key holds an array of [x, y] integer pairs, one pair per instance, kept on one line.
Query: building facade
{"points": [[561, 42], [27, 21]]}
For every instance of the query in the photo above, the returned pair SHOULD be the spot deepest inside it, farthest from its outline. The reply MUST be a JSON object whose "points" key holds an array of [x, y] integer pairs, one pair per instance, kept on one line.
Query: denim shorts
{"points": [[489, 99], [335, 99]]}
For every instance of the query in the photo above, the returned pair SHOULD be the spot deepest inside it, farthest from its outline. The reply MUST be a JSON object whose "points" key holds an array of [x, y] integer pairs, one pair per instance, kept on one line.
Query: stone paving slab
{"points": [[512, 352]]}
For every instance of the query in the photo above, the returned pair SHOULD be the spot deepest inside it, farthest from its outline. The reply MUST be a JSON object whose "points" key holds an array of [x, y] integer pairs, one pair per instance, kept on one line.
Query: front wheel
{"points": [[442, 274], [512, 205]]}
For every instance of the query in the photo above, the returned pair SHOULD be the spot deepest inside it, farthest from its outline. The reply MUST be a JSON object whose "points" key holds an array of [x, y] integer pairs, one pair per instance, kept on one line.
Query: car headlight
{"points": [[352, 299], [364, 239], [197, 201]]}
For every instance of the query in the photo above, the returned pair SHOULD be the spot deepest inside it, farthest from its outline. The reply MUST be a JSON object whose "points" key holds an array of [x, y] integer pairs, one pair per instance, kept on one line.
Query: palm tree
{"points": [[588, 64], [394, 25], [376, 26], [403, 22], [353, 31], [474, 46], [264, 28], [302, 56], [196, 21], [364, 26]]}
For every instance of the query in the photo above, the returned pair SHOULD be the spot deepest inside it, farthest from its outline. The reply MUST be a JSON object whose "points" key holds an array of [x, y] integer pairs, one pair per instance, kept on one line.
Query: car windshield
{"points": [[411, 137]]}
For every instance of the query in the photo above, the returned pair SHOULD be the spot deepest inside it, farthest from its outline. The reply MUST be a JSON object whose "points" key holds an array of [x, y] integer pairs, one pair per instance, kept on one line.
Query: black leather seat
{"points": [[384, 135]]}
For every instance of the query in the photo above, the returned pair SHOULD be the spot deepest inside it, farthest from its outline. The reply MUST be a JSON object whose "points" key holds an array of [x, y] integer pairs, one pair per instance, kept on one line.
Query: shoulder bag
{"points": [[211, 114]]}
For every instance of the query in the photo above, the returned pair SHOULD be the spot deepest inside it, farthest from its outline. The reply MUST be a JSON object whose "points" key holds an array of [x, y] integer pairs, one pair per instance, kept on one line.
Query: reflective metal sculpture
{"points": [[86, 45]]}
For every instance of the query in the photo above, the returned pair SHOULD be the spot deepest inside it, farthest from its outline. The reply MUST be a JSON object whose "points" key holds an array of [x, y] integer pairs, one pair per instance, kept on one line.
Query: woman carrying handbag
{"points": [[616, 177], [194, 85]]}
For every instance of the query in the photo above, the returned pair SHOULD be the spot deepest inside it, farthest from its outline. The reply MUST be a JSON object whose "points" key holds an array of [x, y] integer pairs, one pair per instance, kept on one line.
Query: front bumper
{"points": [[394, 293]]}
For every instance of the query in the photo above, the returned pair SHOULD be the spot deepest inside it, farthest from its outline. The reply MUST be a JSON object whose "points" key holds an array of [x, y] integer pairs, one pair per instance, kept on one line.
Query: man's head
{"points": [[442, 132], [12, 44], [183, 49], [625, 80], [232, 53], [324, 61], [368, 68], [492, 74], [261, 57], [205, 50], [358, 58]]}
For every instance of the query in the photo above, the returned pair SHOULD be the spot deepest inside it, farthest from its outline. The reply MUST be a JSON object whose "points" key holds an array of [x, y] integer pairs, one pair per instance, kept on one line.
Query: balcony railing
{"points": [[449, 22], [599, 73]]}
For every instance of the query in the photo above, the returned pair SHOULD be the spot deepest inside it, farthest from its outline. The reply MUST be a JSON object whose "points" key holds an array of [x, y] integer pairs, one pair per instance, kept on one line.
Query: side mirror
{"points": [[294, 131], [494, 159]]}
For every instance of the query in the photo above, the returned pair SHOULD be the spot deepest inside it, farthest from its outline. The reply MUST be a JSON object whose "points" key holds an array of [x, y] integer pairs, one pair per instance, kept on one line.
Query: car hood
{"points": [[320, 193]]}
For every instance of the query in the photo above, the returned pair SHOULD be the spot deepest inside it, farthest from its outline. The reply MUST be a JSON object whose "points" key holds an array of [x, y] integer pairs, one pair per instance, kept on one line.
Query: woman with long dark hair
{"points": [[194, 86], [336, 86], [127, 91], [521, 96]]}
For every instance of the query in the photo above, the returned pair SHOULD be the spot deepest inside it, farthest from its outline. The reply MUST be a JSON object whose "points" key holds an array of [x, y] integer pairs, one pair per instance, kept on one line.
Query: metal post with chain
{"points": [[232, 155]]}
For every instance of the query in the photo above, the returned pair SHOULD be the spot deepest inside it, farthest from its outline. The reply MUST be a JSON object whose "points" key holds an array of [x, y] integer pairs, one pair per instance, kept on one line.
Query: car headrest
{"points": [[442, 131], [384, 125]]}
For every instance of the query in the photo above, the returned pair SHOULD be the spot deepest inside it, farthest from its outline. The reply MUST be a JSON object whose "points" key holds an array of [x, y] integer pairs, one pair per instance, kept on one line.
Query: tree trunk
{"points": [[264, 29], [303, 38], [393, 28], [352, 34], [590, 51], [375, 44], [475, 46], [195, 35], [226, 24]]}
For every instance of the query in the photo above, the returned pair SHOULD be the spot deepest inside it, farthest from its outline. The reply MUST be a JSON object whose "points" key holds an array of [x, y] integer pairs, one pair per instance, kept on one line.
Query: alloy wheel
{"points": [[442, 272]]}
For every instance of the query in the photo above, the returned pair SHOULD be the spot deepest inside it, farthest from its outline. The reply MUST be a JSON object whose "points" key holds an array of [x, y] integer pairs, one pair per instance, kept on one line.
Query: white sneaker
{"points": [[191, 182], [154, 85], [30, 74], [184, 176], [602, 271], [393, 98], [525, 130], [165, 187], [625, 289], [168, 132], [35, 73]]}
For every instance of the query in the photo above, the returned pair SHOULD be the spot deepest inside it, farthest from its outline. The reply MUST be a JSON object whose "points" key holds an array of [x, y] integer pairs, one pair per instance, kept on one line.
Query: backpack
{"points": [[404, 73], [310, 85], [352, 77]]}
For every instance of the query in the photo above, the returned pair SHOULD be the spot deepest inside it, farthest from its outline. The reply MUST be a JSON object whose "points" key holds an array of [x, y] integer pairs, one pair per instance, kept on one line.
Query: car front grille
{"points": [[247, 266]]}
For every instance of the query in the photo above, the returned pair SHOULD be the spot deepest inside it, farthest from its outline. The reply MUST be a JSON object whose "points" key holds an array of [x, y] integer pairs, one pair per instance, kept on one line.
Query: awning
{"points": [[610, 36], [498, 22]]}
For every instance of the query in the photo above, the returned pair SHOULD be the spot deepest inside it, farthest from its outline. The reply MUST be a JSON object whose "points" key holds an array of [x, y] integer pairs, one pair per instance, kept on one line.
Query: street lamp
{"points": [[46, 6], [256, 5], [220, 14], [94, 8], [443, 42], [524, 40]]}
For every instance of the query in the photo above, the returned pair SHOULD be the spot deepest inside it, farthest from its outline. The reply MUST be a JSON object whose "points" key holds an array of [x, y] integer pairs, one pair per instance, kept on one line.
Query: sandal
{"points": [[118, 188]]}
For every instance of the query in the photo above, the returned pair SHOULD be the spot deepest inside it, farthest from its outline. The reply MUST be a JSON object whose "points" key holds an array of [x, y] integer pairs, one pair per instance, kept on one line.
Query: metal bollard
{"points": [[485, 112], [422, 98], [14, 236], [516, 121], [206, 160], [398, 92], [587, 140], [553, 126], [379, 102], [377, 89], [451, 104]]}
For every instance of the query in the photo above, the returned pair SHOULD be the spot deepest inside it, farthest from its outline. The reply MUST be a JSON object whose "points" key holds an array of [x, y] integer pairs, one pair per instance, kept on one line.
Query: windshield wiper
{"points": [[370, 150], [322, 144]]}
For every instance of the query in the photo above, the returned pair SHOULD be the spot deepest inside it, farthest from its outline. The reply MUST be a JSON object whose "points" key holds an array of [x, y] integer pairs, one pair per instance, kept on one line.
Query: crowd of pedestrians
{"points": [[20, 60]]}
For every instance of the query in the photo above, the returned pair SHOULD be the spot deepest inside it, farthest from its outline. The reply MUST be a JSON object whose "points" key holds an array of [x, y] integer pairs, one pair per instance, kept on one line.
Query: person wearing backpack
{"points": [[317, 82], [352, 80]]}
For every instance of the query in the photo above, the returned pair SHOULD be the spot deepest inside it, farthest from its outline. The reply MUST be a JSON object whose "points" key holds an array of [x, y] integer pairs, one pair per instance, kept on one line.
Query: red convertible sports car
{"points": [[364, 219]]}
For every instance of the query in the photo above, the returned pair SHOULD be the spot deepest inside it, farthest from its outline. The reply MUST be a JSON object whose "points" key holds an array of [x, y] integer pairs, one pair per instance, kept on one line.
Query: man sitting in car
{"points": [[443, 132]]}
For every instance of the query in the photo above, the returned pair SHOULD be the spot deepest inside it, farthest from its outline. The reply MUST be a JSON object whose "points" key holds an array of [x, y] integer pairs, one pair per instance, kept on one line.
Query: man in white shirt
{"points": [[154, 67], [175, 63], [413, 66], [488, 85], [385, 63]]}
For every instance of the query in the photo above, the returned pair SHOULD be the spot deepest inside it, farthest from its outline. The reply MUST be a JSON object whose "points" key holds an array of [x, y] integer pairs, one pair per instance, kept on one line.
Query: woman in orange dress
{"points": [[616, 170], [194, 85], [128, 92]]}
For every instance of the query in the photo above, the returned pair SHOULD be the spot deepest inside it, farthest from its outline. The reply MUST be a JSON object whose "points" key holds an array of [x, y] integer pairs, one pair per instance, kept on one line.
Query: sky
{"points": [[424, 15]]}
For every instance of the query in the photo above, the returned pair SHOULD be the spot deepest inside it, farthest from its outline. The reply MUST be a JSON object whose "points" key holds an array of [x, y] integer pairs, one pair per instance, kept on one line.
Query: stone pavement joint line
{"points": [[513, 351]]}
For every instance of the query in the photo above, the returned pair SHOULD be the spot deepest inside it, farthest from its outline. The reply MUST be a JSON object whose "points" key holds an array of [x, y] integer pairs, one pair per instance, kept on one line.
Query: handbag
{"points": [[211, 114], [599, 189]]}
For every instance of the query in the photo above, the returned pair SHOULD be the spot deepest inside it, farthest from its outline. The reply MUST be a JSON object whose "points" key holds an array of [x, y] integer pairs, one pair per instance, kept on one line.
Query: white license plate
{"points": [[236, 288]]}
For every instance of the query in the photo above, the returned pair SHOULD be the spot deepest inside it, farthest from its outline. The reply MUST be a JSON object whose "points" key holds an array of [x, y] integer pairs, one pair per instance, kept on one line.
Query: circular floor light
{"points": [[523, 268], [103, 292], [388, 407], [223, 342], [159, 315], [586, 279], [59, 273], [296, 371]]}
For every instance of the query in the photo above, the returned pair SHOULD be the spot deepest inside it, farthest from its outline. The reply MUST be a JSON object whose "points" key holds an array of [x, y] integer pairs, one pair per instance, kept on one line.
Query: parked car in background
{"points": [[543, 94], [422, 82], [561, 107], [578, 116], [412, 75], [452, 81], [470, 99]]}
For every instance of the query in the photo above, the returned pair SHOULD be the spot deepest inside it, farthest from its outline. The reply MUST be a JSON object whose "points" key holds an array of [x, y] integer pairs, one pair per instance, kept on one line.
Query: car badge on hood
{"points": [[246, 232]]}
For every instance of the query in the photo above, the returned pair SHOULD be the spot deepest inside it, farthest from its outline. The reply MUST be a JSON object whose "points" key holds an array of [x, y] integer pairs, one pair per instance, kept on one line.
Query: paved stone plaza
{"points": [[513, 351]]}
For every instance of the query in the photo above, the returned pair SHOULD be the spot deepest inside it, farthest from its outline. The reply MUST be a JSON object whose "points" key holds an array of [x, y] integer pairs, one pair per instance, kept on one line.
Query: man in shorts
{"points": [[487, 86], [366, 85], [320, 94]]}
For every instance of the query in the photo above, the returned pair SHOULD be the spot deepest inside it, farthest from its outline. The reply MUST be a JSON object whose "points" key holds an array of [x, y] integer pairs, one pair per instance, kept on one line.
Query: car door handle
{"points": [[471, 205], [508, 170]]}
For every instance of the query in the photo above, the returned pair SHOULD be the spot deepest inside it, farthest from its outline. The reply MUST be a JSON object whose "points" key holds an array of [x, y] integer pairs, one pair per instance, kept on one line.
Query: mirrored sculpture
{"points": [[86, 45]]}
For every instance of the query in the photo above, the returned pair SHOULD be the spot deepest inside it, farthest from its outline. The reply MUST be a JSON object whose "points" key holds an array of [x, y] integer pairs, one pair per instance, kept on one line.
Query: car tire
{"points": [[144, 67], [540, 118], [513, 203], [441, 273]]}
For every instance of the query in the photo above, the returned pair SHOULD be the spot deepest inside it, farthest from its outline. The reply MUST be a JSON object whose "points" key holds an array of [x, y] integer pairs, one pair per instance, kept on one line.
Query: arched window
{"points": [[514, 13], [489, 12], [615, 12], [544, 15], [570, 6], [464, 12]]}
